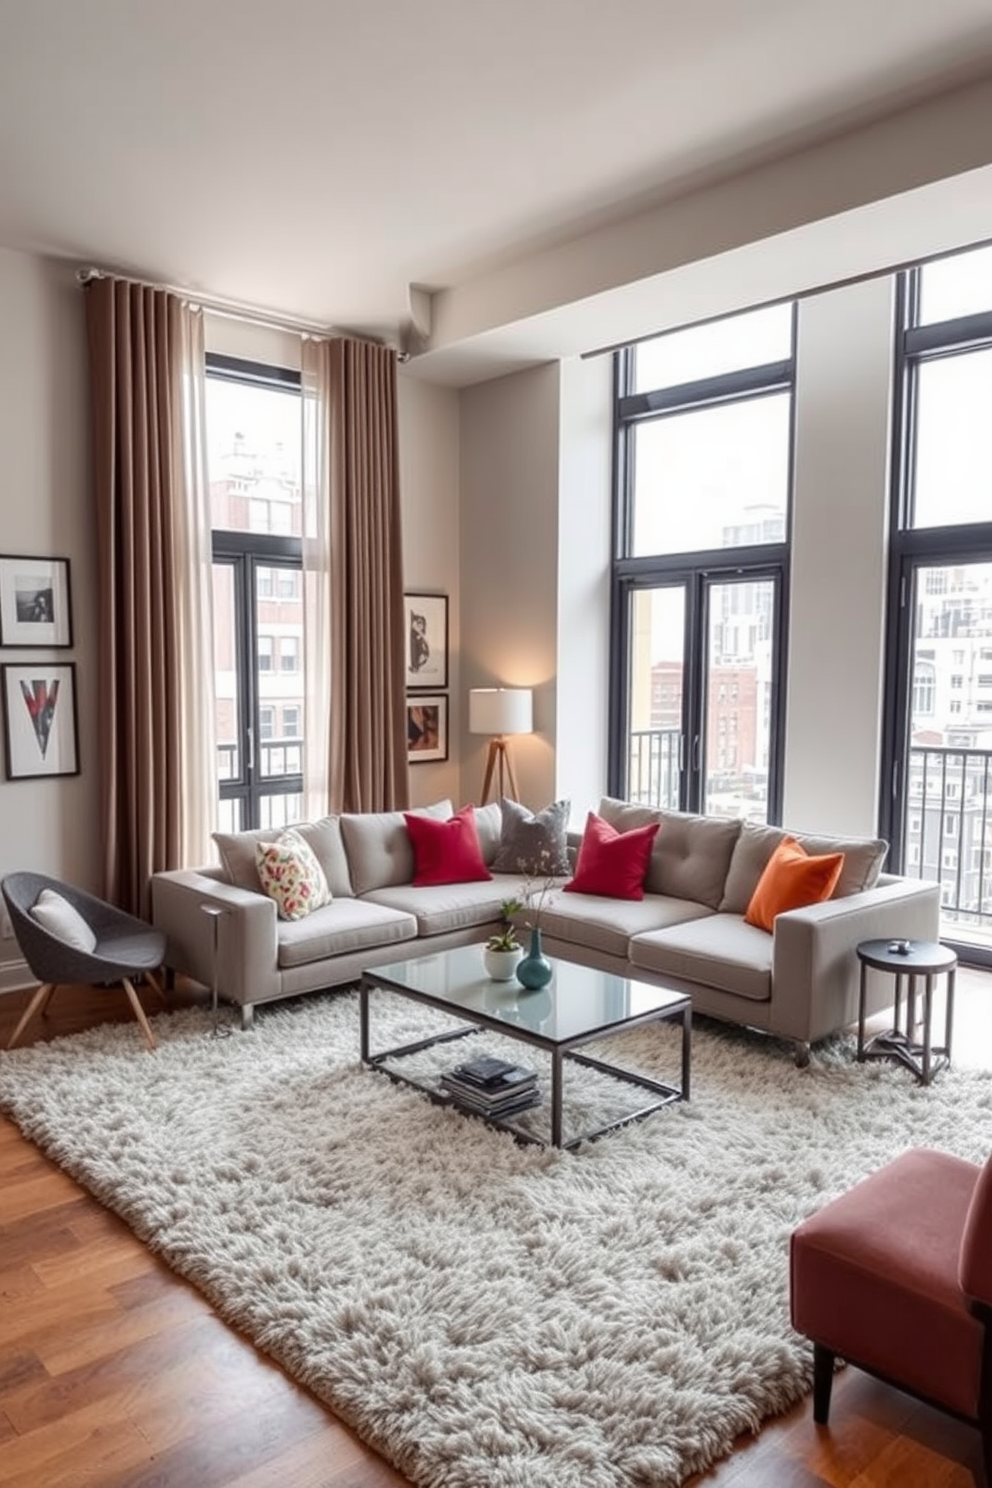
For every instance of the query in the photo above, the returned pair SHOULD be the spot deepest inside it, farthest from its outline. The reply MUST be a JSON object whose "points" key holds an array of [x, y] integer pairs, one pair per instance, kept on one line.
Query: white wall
{"points": [[585, 507], [428, 421], [836, 634], [509, 566], [49, 825]]}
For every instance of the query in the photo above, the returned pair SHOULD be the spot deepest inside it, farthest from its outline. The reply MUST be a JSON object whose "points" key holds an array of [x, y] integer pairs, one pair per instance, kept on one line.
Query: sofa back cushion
{"points": [[380, 854], [691, 854], [237, 853], [863, 859], [489, 822]]}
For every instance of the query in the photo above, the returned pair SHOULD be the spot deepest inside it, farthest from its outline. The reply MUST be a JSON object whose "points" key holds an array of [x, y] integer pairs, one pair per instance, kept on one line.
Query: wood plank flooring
{"points": [[115, 1373]]}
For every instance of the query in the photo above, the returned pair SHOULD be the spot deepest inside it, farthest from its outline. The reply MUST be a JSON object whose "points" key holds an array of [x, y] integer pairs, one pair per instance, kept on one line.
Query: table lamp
{"points": [[499, 711]]}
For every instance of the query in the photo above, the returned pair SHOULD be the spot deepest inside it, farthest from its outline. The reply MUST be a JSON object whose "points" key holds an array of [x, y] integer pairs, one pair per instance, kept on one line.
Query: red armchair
{"points": [[896, 1277]]}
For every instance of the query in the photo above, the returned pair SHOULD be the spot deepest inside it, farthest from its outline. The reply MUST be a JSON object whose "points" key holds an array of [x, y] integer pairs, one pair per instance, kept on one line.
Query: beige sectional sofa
{"points": [[800, 982]]}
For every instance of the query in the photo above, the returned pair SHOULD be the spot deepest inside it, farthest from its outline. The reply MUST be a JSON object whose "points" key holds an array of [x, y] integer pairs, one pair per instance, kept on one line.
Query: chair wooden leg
{"points": [[823, 1382], [139, 1013], [39, 999], [151, 978], [44, 1006]]}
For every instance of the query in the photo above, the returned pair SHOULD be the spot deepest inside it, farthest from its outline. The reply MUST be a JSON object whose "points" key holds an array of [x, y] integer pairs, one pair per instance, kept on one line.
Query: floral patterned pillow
{"points": [[291, 875]]}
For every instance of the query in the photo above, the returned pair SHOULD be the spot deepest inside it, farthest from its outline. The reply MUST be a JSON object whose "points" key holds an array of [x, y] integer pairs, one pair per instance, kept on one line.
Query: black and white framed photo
{"points": [[426, 618], [39, 719], [35, 608], [426, 729]]}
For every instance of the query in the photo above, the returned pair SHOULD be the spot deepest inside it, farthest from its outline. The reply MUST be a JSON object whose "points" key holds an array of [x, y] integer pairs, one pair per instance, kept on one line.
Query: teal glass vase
{"points": [[535, 970]]}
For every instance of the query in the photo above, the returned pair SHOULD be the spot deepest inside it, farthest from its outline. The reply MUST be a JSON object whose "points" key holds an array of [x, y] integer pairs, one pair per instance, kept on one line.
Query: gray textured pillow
{"points": [[533, 843]]}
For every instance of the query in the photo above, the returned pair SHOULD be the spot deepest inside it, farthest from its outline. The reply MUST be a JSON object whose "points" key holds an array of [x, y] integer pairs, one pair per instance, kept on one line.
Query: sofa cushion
{"points": [[489, 825], [606, 925], [720, 951], [378, 845], [612, 863], [533, 843], [237, 853], [691, 854], [290, 874], [792, 878], [863, 859], [446, 852], [344, 926], [447, 907]]}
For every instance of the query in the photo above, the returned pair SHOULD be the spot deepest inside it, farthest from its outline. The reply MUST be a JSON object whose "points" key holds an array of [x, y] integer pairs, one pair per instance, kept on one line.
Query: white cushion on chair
{"points": [[57, 916]]}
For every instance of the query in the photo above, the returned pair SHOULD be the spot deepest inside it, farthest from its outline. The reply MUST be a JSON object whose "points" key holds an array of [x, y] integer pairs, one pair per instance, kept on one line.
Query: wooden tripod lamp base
{"points": [[499, 711], [500, 765]]}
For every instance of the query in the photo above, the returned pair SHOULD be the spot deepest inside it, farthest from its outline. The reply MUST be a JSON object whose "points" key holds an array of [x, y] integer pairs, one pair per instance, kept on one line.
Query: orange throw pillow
{"points": [[791, 880]]}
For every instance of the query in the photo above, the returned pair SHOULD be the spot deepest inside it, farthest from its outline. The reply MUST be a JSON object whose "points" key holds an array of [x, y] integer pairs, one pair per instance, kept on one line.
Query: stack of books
{"points": [[491, 1087]]}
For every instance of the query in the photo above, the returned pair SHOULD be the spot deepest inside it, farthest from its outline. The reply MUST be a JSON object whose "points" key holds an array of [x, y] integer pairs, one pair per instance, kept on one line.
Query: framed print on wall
{"points": [[39, 719], [426, 620], [426, 729], [34, 601]]}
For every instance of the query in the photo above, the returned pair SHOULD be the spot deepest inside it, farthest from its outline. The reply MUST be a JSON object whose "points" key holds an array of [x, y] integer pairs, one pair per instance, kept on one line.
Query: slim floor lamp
{"points": [[499, 711]]}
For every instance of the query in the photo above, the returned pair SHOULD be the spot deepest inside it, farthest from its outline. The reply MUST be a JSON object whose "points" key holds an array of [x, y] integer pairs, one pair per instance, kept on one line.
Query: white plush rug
{"points": [[486, 1315]]}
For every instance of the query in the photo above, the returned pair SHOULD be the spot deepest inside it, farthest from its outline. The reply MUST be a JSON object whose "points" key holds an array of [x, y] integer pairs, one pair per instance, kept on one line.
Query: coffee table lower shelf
{"points": [[679, 1010]]}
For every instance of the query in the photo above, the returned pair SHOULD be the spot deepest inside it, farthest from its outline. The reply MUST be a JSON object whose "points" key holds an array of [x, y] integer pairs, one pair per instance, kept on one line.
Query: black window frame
{"points": [[698, 570], [245, 553]]}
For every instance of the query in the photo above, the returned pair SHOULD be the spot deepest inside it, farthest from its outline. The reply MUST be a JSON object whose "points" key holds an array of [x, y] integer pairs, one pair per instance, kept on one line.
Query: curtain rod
{"points": [[236, 310]]}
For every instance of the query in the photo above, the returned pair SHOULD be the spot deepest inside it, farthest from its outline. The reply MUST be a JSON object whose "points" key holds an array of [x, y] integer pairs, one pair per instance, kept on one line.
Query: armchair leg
{"points": [[39, 1000], [151, 977], [823, 1382], [139, 1012]]}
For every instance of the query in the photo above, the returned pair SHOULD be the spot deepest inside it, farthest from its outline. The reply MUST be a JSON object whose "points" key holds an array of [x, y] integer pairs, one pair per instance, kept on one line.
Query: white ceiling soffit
{"points": [[317, 158]]}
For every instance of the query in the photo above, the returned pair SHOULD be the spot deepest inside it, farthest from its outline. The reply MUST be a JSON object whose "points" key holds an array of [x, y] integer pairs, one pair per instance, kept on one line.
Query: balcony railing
{"points": [[278, 757], [653, 771], [948, 835]]}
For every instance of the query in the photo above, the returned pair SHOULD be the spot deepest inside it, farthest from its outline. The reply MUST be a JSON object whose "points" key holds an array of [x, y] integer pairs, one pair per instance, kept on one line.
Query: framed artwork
{"points": [[39, 719], [426, 728], [426, 620], [34, 601]]}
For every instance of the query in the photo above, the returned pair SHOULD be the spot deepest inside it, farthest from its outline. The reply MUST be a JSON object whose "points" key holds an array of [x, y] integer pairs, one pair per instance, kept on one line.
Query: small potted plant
{"points": [[503, 950]]}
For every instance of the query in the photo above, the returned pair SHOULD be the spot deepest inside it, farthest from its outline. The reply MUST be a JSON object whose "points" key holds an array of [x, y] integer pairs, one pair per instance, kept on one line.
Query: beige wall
{"points": [[428, 419], [50, 825], [509, 463]]}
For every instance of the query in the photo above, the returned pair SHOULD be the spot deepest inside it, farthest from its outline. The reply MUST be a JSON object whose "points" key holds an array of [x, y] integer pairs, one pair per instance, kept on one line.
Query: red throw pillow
{"points": [[446, 851], [612, 863], [791, 880]]}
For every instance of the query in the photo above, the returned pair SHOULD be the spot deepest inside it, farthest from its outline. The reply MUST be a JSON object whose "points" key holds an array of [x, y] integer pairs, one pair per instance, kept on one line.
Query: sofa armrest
{"points": [[815, 971], [247, 946]]}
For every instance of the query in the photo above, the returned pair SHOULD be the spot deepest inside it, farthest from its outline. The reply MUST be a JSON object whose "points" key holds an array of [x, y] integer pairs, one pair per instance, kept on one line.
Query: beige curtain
{"points": [[156, 758], [356, 714]]}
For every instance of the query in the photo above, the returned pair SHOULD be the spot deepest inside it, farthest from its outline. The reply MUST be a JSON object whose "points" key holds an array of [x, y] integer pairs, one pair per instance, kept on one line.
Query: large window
{"points": [[704, 465], [938, 749], [253, 442]]}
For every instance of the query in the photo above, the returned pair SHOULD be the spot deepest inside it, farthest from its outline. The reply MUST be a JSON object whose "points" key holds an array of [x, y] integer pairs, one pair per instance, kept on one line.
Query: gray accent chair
{"points": [[125, 948]]}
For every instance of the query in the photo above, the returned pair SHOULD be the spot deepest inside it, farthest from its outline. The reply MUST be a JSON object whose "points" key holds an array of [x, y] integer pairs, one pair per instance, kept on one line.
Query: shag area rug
{"points": [[487, 1315]]}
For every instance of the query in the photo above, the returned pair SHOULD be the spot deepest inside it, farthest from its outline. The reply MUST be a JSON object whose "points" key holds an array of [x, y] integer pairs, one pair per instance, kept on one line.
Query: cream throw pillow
{"points": [[59, 918], [290, 874]]}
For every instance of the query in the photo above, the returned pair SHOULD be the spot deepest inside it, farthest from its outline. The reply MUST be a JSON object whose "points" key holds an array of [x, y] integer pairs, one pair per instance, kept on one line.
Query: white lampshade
{"points": [[500, 710]]}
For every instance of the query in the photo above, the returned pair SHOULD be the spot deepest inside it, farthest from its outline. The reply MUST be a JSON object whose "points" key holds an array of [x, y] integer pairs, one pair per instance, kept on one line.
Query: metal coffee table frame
{"points": [[924, 960], [678, 1010]]}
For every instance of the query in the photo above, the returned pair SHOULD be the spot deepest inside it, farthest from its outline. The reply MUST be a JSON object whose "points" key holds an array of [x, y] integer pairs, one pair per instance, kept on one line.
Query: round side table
{"points": [[925, 959]]}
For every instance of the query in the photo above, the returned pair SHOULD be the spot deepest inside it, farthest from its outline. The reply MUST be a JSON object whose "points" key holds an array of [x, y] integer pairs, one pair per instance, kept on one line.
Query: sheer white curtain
{"points": [[318, 661], [194, 605]]}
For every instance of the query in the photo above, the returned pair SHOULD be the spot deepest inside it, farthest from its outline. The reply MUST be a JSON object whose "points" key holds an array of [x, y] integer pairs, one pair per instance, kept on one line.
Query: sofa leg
{"points": [[823, 1382], [800, 1053], [247, 1016]]}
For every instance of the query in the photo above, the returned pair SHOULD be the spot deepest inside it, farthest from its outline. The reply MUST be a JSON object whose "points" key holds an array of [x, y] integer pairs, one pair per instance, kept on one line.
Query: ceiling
{"points": [[320, 158]]}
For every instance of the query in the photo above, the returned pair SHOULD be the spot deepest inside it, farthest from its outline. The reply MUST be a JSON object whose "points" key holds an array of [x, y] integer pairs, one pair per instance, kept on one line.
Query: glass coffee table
{"points": [[580, 1004]]}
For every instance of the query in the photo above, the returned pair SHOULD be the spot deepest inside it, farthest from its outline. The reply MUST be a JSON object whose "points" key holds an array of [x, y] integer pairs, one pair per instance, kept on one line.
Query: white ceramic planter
{"points": [[501, 965]]}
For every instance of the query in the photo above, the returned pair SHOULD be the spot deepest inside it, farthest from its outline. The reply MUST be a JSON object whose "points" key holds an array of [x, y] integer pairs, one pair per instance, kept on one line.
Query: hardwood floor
{"points": [[115, 1373]]}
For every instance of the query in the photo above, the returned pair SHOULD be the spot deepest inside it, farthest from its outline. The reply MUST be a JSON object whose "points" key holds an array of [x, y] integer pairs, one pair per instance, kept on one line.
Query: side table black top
{"points": [[922, 957]]}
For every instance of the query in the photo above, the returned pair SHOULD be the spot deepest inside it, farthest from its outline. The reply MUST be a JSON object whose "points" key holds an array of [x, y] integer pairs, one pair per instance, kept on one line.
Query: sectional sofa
{"points": [[799, 982]]}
